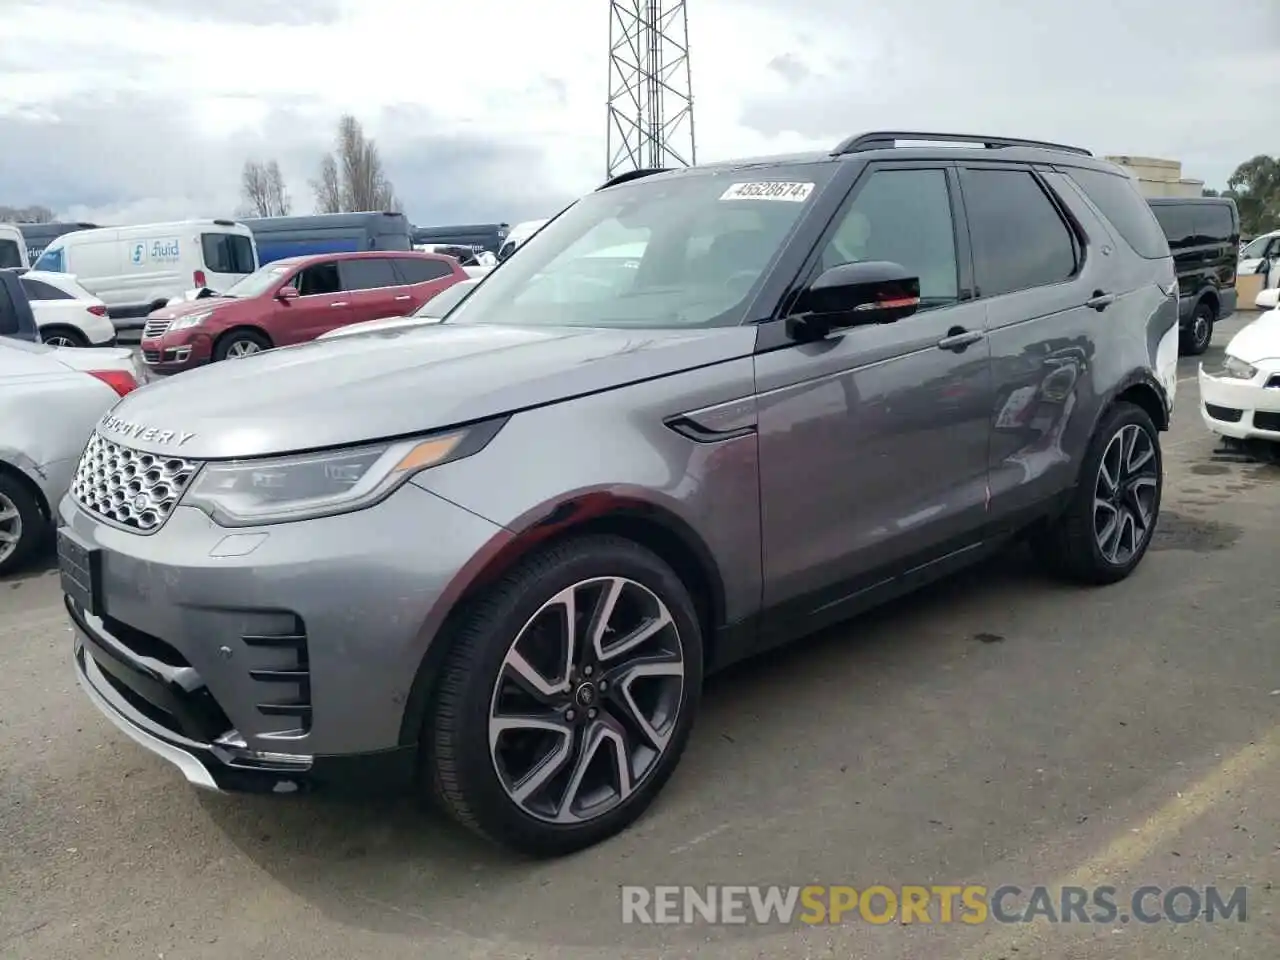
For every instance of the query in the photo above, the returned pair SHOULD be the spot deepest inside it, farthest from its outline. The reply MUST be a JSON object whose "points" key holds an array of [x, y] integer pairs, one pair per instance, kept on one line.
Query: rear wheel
{"points": [[567, 697], [1106, 528], [22, 525], [1200, 333], [237, 344], [63, 337]]}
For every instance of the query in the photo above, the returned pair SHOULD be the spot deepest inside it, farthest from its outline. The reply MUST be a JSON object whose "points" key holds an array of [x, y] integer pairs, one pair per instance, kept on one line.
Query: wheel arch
{"points": [[243, 328], [9, 469], [61, 325], [644, 522]]}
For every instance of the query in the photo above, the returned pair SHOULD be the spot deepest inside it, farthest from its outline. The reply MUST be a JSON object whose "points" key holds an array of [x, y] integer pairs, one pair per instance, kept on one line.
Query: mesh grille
{"points": [[135, 489]]}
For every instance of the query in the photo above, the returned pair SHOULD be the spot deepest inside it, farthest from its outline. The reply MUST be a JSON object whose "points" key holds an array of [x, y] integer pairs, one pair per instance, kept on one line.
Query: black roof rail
{"points": [[631, 175], [887, 139]]}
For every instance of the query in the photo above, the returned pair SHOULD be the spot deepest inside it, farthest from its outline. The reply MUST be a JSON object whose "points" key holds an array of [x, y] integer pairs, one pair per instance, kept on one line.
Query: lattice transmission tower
{"points": [[650, 86]]}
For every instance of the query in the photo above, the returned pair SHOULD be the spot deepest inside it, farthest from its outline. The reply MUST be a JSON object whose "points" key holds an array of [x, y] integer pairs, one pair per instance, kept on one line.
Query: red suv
{"points": [[292, 301]]}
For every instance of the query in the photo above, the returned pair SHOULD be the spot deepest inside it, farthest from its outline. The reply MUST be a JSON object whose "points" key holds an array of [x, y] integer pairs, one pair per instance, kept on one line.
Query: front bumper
{"points": [[1241, 409], [273, 659], [173, 355]]}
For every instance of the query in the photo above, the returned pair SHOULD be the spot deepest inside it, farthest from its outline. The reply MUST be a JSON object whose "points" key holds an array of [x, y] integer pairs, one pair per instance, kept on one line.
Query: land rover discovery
{"points": [[497, 556]]}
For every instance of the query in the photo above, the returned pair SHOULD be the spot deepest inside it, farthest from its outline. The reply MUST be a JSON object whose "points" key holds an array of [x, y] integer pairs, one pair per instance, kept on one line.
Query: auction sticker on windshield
{"points": [[769, 190]]}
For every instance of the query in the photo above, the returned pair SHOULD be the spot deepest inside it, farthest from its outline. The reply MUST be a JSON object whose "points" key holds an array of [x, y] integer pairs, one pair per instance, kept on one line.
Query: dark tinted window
{"points": [[1178, 221], [10, 254], [903, 216], [421, 270], [227, 253], [36, 290], [1122, 204], [318, 279], [1020, 240], [8, 314], [1214, 221], [368, 274]]}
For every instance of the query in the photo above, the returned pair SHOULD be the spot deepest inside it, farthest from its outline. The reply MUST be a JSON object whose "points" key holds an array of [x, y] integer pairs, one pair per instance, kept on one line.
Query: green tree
{"points": [[1255, 185]]}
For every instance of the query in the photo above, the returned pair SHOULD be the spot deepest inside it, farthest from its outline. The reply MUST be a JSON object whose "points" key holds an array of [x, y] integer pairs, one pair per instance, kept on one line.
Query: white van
{"points": [[518, 235], [13, 247], [135, 270]]}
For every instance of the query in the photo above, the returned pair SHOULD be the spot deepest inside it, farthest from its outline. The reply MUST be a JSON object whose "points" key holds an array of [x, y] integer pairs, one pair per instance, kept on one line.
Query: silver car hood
{"points": [[349, 390]]}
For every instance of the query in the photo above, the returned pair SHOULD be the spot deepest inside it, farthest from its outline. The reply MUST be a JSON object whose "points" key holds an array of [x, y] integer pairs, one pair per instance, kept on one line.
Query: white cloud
{"points": [[499, 106]]}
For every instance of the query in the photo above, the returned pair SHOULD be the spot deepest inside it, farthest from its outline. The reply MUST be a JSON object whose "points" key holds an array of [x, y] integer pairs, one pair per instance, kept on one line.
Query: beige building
{"points": [[1160, 178]]}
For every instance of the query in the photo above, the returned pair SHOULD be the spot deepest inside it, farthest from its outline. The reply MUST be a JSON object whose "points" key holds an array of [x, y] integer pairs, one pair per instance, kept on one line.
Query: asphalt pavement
{"points": [[998, 728]]}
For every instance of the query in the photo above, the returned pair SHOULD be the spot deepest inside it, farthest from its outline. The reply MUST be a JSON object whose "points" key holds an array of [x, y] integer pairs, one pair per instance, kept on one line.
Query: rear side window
{"points": [[38, 290], [10, 254], [8, 313], [1178, 221], [1122, 204], [1020, 241], [368, 274], [227, 253], [421, 270]]}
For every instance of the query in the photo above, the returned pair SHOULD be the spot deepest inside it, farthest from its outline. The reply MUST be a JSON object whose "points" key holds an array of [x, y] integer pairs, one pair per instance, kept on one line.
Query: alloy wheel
{"points": [[586, 700], [1201, 330], [1124, 499], [10, 527], [242, 348], [57, 340]]}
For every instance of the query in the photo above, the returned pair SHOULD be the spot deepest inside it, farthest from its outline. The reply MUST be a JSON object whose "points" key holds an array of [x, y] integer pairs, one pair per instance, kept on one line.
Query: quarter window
{"points": [[421, 269], [38, 290], [1122, 204], [903, 216], [1020, 241]]}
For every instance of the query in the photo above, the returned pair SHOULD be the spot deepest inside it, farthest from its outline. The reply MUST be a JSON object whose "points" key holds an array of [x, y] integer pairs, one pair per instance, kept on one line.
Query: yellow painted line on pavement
{"points": [[1132, 847]]}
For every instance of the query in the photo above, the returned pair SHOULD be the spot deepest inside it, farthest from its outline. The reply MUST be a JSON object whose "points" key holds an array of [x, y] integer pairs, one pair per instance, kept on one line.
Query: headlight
{"points": [[251, 492], [1233, 368], [191, 320]]}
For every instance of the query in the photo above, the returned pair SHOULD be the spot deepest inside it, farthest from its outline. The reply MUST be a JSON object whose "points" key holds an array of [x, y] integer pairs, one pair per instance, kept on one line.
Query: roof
{"points": [[357, 255]]}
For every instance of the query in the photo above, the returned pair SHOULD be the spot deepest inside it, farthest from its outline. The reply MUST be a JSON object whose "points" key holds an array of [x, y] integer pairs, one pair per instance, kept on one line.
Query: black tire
{"points": [[32, 526], [63, 336], [1199, 334], [458, 767], [230, 340], [1068, 545]]}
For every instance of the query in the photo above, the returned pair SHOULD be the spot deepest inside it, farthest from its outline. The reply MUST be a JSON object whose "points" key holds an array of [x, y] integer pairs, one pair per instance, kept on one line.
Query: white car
{"points": [[67, 314], [1252, 254], [431, 312], [50, 400], [1241, 396]]}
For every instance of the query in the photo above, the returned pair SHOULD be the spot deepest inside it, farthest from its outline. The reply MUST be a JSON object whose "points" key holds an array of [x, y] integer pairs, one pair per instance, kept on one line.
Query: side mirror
{"points": [[854, 295], [287, 292]]}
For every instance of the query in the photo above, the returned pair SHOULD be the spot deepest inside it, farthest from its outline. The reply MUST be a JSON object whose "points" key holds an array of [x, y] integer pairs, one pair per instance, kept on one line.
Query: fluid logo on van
{"points": [[155, 251]]}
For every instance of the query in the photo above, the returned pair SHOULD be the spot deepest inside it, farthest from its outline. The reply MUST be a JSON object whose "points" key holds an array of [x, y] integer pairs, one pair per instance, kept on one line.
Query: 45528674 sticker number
{"points": [[776, 190]]}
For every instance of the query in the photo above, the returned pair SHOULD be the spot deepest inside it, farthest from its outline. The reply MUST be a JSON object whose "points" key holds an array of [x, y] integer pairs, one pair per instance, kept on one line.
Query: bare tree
{"points": [[263, 191], [32, 214], [351, 178]]}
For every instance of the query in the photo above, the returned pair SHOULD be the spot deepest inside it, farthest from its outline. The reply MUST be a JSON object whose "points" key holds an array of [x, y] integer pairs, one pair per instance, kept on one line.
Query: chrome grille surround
{"points": [[155, 328], [131, 488]]}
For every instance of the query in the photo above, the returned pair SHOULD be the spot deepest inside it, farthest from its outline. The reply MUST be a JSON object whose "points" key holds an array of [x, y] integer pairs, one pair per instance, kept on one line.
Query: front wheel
{"points": [[63, 337], [567, 697], [239, 344], [1106, 528], [22, 525]]}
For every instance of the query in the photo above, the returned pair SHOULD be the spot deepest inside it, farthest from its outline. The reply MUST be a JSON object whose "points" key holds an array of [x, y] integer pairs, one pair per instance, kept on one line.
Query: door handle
{"points": [[405, 297], [958, 339], [340, 303], [1100, 301]]}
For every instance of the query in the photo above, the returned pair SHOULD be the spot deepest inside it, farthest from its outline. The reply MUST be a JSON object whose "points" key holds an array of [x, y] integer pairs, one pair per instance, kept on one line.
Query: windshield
{"points": [[683, 251], [445, 300], [10, 254], [258, 282]]}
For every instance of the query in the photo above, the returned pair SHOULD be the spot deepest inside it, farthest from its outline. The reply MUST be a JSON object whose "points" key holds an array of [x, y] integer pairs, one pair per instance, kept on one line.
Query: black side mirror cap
{"points": [[854, 295]]}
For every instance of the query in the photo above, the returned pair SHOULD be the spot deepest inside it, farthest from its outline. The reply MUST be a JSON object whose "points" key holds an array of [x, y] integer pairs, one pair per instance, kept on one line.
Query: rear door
{"points": [[424, 277], [226, 258], [322, 304], [373, 286]]}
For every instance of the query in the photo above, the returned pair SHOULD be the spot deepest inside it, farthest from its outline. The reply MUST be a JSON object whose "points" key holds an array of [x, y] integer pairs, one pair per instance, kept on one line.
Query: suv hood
{"points": [[355, 389], [175, 310]]}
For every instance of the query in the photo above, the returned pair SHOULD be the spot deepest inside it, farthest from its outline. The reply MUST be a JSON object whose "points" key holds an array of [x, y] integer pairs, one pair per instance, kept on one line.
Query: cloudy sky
{"points": [[132, 110]]}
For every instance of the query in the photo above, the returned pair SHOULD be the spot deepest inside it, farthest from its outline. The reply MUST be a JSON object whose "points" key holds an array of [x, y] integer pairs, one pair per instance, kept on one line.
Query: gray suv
{"points": [[702, 412]]}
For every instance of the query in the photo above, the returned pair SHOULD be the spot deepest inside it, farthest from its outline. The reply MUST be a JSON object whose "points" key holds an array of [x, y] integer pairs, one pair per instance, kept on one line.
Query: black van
{"points": [[1204, 237]]}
